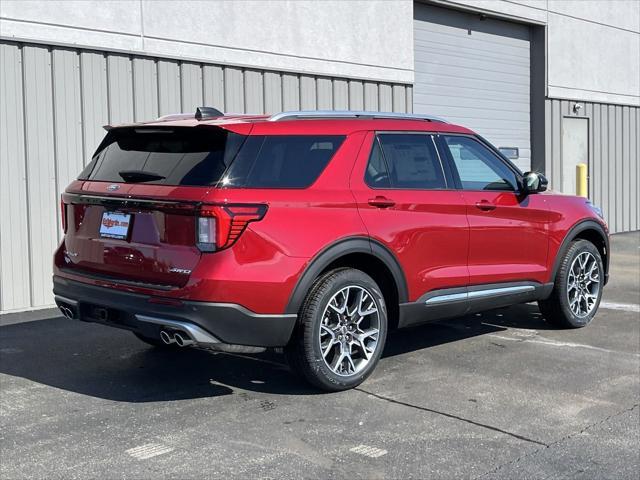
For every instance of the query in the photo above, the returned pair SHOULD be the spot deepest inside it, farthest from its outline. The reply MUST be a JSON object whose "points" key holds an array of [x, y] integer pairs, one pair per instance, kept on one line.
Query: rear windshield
{"points": [[180, 156], [201, 157]]}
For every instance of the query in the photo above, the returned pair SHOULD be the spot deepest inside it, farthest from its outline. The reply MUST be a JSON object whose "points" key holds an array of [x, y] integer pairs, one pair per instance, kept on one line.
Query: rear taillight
{"points": [[219, 226], [63, 215]]}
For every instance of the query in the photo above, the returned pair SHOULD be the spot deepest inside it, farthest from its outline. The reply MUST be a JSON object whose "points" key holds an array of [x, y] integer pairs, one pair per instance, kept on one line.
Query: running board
{"points": [[456, 302]]}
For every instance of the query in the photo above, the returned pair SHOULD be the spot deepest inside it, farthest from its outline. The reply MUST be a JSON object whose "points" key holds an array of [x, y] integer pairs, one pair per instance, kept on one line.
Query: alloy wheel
{"points": [[349, 330], [583, 284]]}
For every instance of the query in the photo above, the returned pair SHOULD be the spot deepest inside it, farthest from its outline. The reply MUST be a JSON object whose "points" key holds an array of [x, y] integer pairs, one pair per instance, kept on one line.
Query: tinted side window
{"points": [[377, 174], [412, 161], [478, 167], [281, 161]]}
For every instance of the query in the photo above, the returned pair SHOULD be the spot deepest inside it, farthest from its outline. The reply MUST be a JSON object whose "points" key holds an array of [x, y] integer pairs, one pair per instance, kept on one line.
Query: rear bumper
{"points": [[224, 323]]}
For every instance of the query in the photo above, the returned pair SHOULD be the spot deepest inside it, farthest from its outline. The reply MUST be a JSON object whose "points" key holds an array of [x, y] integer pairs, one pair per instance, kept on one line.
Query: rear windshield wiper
{"points": [[139, 176]]}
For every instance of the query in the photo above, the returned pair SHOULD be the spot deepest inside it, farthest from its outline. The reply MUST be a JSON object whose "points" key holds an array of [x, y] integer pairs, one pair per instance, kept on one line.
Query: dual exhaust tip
{"points": [[179, 338]]}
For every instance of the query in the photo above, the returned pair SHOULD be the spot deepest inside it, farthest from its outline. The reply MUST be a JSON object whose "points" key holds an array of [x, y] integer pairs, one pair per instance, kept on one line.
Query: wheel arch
{"points": [[361, 253], [586, 230]]}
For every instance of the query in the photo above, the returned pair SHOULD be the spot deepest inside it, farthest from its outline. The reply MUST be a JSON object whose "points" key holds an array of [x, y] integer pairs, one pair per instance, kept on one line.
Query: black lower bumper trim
{"points": [[230, 323]]}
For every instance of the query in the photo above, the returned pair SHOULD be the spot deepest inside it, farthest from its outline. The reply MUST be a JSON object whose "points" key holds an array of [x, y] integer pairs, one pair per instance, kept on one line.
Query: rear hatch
{"points": [[131, 216]]}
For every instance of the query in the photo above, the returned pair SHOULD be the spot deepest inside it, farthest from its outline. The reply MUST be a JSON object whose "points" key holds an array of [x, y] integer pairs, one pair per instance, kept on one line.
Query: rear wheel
{"points": [[578, 287], [342, 330]]}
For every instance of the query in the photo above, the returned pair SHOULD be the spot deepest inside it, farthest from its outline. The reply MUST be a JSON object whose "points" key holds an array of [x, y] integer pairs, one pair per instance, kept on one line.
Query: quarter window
{"points": [[478, 167], [281, 161], [405, 161]]}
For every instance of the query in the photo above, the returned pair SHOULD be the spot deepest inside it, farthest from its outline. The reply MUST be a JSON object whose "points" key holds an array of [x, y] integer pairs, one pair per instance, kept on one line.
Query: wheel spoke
{"points": [[356, 305], [335, 303]]}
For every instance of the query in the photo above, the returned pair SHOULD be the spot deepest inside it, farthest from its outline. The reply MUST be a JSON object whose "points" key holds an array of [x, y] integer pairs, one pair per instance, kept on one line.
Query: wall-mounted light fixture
{"points": [[577, 107]]}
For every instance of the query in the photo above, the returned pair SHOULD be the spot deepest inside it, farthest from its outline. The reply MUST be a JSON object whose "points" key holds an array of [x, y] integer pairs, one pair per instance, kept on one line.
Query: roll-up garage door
{"points": [[475, 72]]}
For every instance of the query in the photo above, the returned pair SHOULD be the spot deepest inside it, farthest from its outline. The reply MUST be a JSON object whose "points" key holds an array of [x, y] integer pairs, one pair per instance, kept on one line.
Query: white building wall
{"points": [[356, 38]]}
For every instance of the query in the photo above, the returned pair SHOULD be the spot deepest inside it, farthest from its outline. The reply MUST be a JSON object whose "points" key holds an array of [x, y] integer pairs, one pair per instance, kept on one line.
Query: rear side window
{"points": [[179, 156], [405, 161], [281, 161]]}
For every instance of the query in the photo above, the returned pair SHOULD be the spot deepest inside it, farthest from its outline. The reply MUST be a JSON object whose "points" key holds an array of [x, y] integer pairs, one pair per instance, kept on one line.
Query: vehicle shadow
{"points": [[106, 363]]}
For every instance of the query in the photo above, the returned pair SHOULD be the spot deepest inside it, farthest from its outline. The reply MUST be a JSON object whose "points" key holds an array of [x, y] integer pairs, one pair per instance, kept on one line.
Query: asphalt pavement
{"points": [[494, 395]]}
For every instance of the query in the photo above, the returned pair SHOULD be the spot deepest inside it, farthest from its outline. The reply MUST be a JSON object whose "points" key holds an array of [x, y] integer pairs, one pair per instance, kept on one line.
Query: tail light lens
{"points": [[63, 215], [219, 226]]}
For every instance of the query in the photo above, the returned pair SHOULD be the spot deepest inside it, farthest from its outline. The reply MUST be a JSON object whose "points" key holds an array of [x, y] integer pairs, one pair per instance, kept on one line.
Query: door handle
{"points": [[485, 205], [381, 202]]}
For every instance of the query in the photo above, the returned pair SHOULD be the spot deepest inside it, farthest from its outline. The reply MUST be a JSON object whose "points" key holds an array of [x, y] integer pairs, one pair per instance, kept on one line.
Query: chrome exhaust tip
{"points": [[182, 340], [166, 338], [66, 311]]}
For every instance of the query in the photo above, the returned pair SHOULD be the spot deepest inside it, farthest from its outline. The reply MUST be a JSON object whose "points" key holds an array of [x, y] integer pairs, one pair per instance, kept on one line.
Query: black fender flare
{"points": [[572, 234], [339, 249]]}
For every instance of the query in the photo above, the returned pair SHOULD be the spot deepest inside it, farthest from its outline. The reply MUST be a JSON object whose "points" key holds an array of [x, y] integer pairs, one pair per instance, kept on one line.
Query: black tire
{"points": [[304, 351], [556, 309], [155, 342]]}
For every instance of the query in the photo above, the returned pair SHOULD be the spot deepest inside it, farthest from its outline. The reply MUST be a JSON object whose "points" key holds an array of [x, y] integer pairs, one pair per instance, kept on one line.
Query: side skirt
{"points": [[455, 302]]}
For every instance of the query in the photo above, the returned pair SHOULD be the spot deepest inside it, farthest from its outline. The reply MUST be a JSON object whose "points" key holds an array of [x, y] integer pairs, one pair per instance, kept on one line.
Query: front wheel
{"points": [[341, 332], [578, 287]]}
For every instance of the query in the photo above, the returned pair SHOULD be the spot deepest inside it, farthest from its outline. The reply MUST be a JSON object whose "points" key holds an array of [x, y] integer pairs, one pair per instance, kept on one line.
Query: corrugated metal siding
{"points": [[614, 155], [71, 93]]}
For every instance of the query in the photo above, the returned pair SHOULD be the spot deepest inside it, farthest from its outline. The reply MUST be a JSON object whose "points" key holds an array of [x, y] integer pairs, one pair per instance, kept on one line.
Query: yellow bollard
{"points": [[581, 180]]}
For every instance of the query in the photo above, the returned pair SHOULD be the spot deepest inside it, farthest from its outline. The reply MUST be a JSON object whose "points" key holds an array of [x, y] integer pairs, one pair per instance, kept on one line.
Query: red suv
{"points": [[317, 232]]}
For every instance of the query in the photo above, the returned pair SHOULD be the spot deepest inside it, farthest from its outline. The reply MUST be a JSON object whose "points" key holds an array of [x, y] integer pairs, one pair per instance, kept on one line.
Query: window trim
{"points": [[448, 180], [442, 145]]}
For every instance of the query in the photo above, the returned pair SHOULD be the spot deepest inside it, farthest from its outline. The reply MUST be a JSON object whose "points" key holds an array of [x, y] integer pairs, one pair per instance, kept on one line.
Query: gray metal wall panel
{"points": [[191, 87], [67, 120], [76, 92], [474, 73], [120, 84], [356, 95], [233, 90], [213, 80], [409, 99], [614, 140], [385, 97], [145, 89], [399, 99], [324, 93], [94, 100], [341, 94], [308, 94], [291, 92], [253, 92], [15, 285], [634, 159], [41, 171], [169, 100], [370, 96], [272, 92], [626, 169]]}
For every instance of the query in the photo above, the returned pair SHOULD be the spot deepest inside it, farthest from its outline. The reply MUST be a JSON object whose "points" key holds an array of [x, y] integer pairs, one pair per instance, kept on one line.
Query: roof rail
{"points": [[320, 114]]}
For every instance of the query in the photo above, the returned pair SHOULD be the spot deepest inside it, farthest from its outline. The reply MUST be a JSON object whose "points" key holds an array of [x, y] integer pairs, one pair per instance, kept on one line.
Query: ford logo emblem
{"points": [[113, 188]]}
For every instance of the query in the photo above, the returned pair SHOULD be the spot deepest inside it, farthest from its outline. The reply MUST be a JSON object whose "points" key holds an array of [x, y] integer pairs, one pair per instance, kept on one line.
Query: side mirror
{"points": [[533, 182]]}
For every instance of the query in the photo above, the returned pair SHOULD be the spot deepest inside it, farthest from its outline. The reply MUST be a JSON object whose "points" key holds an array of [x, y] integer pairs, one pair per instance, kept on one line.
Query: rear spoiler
{"points": [[202, 113]]}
